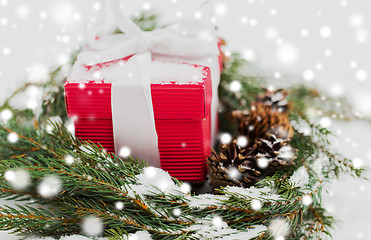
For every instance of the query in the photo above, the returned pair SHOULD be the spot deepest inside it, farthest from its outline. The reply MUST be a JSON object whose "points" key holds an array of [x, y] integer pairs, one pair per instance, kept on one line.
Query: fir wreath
{"points": [[83, 183]]}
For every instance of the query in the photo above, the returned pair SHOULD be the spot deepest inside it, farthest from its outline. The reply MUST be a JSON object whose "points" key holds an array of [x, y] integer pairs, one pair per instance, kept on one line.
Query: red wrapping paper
{"points": [[182, 119]]}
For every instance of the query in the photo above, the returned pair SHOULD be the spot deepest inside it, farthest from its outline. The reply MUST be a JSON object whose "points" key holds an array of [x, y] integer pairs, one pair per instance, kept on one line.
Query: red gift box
{"points": [[182, 119]]}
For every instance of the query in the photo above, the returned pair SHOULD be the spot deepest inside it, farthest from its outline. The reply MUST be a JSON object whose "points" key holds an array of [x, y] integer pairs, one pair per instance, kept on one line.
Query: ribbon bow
{"points": [[191, 41]]}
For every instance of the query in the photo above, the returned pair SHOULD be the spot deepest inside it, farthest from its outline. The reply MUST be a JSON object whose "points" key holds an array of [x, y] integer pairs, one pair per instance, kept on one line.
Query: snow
{"points": [[287, 54], [153, 180], [253, 193], [19, 179], [262, 162], [307, 200], [177, 212], [50, 186], [92, 226], [22, 11], [37, 73], [32, 104], [72, 237], [12, 137], [220, 9], [308, 75], [300, 177], [235, 86], [256, 204], [225, 138], [185, 188], [124, 152], [119, 205], [234, 173], [206, 200], [325, 122], [325, 31], [140, 235], [162, 71], [279, 228], [6, 115], [361, 75], [215, 228], [242, 141], [357, 163], [6, 51], [69, 159]]}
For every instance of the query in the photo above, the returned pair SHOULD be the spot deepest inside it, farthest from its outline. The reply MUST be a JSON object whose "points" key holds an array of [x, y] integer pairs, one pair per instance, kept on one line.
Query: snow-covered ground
{"points": [[324, 42]]}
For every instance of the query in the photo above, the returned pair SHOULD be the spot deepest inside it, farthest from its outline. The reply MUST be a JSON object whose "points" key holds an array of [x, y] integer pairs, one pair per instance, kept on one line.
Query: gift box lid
{"points": [[179, 90]]}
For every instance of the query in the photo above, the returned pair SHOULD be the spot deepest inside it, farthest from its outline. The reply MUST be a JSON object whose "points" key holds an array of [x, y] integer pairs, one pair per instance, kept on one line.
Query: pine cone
{"points": [[235, 166], [229, 168], [273, 153], [275, 99], [261, 121]]}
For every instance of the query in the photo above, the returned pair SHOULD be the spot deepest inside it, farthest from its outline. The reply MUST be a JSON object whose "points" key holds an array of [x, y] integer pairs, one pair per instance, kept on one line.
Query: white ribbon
{"points": [[191, 41]]}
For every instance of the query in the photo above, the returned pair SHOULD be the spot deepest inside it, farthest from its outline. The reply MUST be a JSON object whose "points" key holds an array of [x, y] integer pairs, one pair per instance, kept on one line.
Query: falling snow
{"points": [[279, 228], [307, 200], [119, 205], [225, 138], [287, 54], [92, 226], [308, 75], [50, 186], [124, 152], [19, 179], [12, 137], [361, 75], [256, 204], [235, 86], [69, 159], [6, 115], [325, 32]]}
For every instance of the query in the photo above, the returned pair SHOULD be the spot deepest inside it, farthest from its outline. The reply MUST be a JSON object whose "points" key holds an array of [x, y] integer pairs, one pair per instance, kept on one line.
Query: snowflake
{"points": [[50, 186], [287, 54], [6, 51], [119, 205], [308, 75], [325, 32], [69, 159], [279, 228], [234, 173], [357, 163], [92, 226], [13, 137], [6, 115], [225, 138], [124, 152], [217, 221], [361, 75], [242, 141], [220, 9], [177, 212], [325, 122], [19, 179], [307, 200], [356, 20], [185, 188], [263, 162], [235, 86], [256, 204], [22, 11]]}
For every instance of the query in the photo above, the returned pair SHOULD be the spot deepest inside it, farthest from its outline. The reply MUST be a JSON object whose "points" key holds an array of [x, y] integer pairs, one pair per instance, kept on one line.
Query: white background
{"points": [[326, 41]]}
